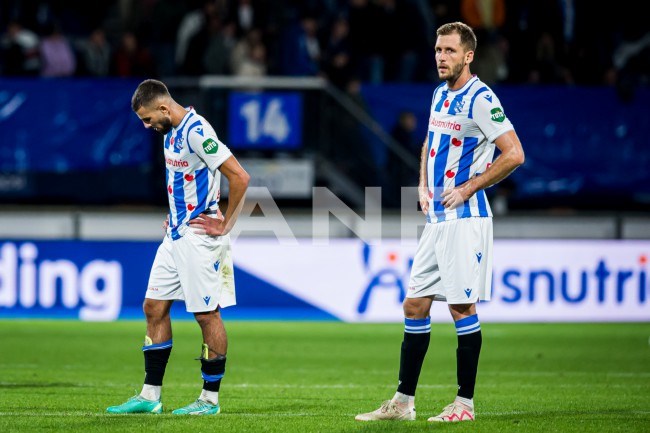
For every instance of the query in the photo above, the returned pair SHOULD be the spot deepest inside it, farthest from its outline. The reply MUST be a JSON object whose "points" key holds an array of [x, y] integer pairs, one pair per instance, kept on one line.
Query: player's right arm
{"points": [[423, 189]]}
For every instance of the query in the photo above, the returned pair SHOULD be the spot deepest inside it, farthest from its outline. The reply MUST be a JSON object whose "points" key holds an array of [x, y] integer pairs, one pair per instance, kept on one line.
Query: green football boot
{"points": [[199, 407], [137, 404]]}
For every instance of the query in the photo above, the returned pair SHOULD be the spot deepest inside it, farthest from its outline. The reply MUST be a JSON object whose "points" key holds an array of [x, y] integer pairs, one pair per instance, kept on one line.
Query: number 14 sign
{"points": [[265, 120]]}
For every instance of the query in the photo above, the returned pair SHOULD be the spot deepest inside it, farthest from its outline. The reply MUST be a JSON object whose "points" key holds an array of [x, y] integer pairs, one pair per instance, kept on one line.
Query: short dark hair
{"points": [[147, 92], [467, 36]]}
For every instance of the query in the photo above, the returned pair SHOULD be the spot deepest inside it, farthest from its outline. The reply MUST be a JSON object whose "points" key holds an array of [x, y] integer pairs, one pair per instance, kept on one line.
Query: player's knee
{"points": [[153, 310], [460, 311], [416, 308], [207, 317]]}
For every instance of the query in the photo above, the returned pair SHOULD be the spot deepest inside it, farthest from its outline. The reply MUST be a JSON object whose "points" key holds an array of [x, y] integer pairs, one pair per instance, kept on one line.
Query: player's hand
{"points": [[424, 199], [204, 225], [452, 198], [166, 224]]}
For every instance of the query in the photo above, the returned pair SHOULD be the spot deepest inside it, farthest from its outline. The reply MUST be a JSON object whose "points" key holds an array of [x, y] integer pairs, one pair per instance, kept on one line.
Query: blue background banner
{"points": [[63, 125], [578, 140], [96, 280], [344, 280]]}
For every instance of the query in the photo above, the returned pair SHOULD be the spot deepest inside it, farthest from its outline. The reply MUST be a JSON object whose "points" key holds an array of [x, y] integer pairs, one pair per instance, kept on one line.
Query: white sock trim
{"points": [[466, 401], [211, 397], [151, 392], [404, 399]]}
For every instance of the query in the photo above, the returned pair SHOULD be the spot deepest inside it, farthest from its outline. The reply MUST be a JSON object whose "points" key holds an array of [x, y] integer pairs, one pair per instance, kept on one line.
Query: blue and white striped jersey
{"points": [[193, 154], [463, 125]]}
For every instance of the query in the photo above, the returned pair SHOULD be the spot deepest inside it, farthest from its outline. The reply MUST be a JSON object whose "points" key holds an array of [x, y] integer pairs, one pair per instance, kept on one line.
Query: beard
{"points": [[453, 73], [165, 126]]}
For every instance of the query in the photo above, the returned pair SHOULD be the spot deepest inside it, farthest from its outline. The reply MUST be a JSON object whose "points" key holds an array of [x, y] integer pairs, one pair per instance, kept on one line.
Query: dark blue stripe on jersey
{"points": [[182, 125], [482, 206], [426, 165], [192, 126], [442, 101], [436, 91], [179, 202], [464, 165], [201, 179], [167, 137], [178, 141], [458, 98], [439, 165], [171, 220], [470, 114]]}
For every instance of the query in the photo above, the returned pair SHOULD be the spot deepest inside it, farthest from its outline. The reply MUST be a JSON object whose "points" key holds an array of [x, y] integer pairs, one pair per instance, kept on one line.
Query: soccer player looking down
{"points": [[193, 263]]}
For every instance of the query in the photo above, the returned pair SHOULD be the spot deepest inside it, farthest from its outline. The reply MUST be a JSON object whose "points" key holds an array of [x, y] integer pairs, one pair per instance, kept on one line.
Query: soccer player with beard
{"points": [[193, 263], [453, 261]]}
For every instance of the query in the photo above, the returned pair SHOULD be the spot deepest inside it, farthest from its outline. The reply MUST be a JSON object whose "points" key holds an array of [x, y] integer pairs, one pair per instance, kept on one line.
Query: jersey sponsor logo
{"points": [[468, 292], [479, 256], [199, 131], [445, 124], [497, 115], [488, 98], [206, 300], [210, 146], [176, 162]]}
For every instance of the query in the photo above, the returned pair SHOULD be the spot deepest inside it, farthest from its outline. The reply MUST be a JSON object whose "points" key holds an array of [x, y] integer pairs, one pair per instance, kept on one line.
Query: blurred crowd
{"points": [[374, 41]]}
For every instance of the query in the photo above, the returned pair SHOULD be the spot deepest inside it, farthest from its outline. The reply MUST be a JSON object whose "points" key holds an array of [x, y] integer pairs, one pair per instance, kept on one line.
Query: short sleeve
{"points": [[490, 117], [209, 149]]}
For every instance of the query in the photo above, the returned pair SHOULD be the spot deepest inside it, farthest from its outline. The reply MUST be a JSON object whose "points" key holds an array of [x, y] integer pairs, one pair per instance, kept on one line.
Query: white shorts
{"points": [[453, 262], [195, 268]]}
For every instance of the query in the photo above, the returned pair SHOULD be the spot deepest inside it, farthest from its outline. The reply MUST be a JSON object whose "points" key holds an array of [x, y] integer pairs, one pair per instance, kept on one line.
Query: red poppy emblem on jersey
{"points": [[456, 142], [446, 105], [433, 153], [171, 140], [190, 206], [488, 165], [169, 189], [430, 194], [450, 174], [189, 177]]}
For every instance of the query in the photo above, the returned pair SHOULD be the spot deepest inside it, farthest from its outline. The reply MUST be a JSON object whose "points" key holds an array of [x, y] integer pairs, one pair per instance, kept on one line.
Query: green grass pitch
{"points": [[315, 376]]}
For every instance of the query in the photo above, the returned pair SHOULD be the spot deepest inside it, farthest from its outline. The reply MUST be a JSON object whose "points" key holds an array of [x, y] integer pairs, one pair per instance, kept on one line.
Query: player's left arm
{"points": [[238, 180], [495, 125], [219, 158], [512, 156]]}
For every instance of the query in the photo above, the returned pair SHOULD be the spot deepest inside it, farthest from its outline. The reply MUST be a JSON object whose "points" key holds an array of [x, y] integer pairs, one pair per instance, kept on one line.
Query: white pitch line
{"points": [[300, 414], [341, 386], [565, 373], [104, 414]]}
